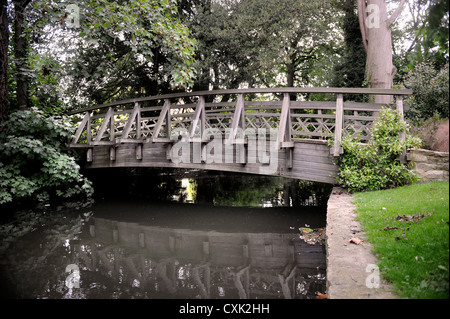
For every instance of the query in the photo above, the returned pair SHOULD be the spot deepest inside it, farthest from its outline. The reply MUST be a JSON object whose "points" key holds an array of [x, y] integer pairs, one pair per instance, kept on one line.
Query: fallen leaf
{"points": [[321, 296], [355, 240]]}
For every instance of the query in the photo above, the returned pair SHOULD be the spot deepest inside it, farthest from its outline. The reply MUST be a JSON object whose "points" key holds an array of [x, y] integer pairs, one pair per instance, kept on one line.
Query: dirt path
{"points": [[347, 263]]}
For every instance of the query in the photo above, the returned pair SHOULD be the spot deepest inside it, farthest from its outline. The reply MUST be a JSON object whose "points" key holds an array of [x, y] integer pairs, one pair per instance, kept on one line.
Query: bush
{"points": [[32, 159], [430, 92], [434, 133], [376, 165]]}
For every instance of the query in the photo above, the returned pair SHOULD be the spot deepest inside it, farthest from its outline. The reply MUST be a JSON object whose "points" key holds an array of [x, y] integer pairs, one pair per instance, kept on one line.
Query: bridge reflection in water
{"points": [[160, 262]]}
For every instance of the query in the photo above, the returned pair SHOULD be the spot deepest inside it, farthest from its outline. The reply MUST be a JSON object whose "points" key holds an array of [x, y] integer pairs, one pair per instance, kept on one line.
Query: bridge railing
{"points": [[156, 118]]}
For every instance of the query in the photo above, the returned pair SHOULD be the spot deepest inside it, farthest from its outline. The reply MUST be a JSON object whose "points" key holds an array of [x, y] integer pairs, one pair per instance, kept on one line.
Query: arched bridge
{"points": [[271, 131]]}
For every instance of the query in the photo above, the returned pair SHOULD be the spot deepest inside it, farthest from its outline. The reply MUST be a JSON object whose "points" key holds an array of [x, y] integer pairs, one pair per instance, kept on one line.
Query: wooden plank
{"points": [[284, 128], [312, 116], [102, 143], [199, 115], [162, 116], [83, 124], [106, 121], [252, 91], [312, 105], [312, 146], [238, 120], [326, 159], [315, 165], [133, 118], [360, 118]]}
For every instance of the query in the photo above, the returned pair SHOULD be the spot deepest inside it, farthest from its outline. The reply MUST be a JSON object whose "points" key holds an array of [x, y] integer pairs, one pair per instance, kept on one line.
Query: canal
{"points": [[157, 234]]}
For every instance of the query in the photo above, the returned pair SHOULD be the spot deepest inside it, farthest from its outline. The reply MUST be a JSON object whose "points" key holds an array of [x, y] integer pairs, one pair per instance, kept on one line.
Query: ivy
{"points": [[376, 165], [33, 162]]}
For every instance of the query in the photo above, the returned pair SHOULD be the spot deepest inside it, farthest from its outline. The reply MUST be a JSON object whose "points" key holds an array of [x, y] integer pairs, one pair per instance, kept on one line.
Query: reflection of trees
{"points": [[150, 183], [251, 190], [31, 257], [220, 189], [240, 190]]}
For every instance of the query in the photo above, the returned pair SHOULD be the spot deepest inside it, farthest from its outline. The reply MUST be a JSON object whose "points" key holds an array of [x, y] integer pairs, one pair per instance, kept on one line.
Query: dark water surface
{"points": [[191, 244]]}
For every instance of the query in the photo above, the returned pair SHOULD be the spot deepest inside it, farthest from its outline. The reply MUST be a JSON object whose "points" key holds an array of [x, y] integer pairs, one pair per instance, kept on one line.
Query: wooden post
{"points": [[112, 149], [284, 130], [339, 124], [109, 117], [139, 151], [238, 119], [164, 115], [168, 122], [86, 122], [89, 155], [135, 116], [199, 115], [137, 106]]}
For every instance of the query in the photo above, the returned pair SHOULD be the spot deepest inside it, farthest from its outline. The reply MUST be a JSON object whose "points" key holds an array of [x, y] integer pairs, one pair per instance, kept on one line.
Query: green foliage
{"points": [[261, 43], [433, 35], [375, 165], [430, 92], [32, 161]]}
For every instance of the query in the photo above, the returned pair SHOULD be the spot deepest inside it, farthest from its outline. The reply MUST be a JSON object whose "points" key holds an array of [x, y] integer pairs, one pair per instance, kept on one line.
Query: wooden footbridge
{"points": [[270, 131]]}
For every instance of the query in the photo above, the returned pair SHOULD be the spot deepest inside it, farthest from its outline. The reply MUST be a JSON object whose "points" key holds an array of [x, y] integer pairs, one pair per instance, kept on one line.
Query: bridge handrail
{"points": [[290, 121], [323, 90]]}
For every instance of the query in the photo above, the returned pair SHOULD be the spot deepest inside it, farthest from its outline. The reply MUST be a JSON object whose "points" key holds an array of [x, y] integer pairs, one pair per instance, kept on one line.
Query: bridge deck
{"points": [[262, 131]]}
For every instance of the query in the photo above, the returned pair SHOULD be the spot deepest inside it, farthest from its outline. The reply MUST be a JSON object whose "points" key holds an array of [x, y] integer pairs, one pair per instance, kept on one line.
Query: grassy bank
{"points": [[409, 230]]}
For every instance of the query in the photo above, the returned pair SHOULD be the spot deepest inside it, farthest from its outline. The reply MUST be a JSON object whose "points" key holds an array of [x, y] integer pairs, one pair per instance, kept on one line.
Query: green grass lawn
{"points": [[409, 230]]}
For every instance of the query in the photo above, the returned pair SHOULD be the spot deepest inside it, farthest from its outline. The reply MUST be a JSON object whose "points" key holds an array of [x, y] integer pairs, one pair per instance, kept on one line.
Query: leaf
{"points": [[355, 240], [321, 296], [306, 230]]}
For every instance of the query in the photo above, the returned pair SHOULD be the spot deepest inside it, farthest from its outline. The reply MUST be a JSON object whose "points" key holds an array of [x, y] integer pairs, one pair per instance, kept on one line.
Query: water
{"points": [[188, 242]]}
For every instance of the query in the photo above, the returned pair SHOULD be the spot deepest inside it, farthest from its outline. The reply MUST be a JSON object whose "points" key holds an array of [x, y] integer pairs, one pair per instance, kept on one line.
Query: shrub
{"points": [[32, 159], [376, 165], [430, 92], [434, 133]]}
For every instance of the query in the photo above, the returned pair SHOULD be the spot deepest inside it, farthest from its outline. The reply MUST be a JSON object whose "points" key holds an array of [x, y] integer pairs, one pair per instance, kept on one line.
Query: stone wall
{"points": [[430, 166]]}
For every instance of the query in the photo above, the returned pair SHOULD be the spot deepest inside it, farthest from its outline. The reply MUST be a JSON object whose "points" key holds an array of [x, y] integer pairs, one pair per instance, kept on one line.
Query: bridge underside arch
{"points": [[310, 161]]}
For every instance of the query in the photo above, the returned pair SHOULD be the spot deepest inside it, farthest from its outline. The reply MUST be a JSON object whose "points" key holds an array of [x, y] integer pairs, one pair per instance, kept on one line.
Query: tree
{"points": [[20, 53], [258, 43], [375, 25], [129, 48], [4, 40], [350, 70], [434, 33]]}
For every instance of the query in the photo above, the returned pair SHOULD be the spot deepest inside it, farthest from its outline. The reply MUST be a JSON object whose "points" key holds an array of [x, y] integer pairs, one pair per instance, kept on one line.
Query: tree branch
{"points": [[395, 15]]}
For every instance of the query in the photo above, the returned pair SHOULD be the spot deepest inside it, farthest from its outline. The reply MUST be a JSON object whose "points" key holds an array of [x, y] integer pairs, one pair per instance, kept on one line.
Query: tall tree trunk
{"points": [[4, 39], [376, 32]]}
